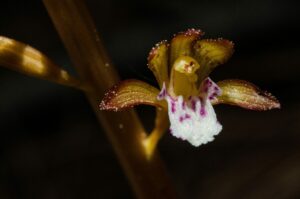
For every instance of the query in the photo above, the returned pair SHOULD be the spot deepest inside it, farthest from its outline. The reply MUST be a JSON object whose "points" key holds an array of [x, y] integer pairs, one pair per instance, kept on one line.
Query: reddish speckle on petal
{"points": [[154, 51]]}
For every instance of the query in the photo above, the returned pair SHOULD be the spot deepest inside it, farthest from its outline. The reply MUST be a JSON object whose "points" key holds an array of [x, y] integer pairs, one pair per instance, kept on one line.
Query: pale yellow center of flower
{"points": [[186, 65], [184, 76]]}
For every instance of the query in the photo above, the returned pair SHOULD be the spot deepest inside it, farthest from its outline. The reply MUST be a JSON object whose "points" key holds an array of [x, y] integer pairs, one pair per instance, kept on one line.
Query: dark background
{"points": [[52, 147]]}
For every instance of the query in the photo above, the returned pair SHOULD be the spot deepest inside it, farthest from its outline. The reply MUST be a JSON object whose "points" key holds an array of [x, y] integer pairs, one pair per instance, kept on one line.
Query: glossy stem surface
{"points": [[148, 178]]}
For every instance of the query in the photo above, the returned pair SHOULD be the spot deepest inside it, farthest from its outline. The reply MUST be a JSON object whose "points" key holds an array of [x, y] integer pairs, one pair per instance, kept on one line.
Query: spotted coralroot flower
{"points": [[187, 94]]}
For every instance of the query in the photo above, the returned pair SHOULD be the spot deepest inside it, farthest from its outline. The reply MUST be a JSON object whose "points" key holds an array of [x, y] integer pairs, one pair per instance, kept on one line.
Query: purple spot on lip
{"points": [[206, 89], [213, 95], [162, 94], [216, 88], [181, 118], [183, 105], [173, 109], [208, 82], [202, 111], [193, 105], [202, 108], [184, 117]]}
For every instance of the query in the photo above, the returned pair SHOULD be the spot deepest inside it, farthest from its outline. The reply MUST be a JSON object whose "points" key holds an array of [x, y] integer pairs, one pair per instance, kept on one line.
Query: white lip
{"points": [[193, 120]]}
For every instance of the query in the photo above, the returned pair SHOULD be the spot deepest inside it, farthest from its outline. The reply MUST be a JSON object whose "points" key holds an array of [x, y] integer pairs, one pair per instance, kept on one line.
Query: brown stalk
{"points": [[73, 22]]}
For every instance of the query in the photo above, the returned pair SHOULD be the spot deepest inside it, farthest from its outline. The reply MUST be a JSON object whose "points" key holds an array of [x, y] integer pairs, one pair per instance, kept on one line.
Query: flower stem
{"points": [[161, 125], [149, 179]]}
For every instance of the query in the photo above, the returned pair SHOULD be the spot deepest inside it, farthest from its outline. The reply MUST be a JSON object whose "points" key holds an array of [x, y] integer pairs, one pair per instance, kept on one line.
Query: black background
{"points": [[52, 147]]}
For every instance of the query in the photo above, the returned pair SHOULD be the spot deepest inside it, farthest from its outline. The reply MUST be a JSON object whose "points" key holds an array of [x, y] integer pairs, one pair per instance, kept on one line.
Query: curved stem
{"points": [[161, 125]]}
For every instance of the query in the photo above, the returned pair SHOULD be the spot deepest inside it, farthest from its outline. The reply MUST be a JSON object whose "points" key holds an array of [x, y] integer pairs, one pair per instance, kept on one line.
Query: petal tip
{"points": [[246, 95], [218, 50], [106, 103], [154, 50], [192, 32], [226, 44], [271, 103]]}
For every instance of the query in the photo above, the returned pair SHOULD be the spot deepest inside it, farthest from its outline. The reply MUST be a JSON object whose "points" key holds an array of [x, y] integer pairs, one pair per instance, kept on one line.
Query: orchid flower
{"points": [[187, 94]]}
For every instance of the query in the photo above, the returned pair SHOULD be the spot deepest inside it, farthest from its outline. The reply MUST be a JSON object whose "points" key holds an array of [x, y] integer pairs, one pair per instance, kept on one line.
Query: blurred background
{"points": [[52, 147]]}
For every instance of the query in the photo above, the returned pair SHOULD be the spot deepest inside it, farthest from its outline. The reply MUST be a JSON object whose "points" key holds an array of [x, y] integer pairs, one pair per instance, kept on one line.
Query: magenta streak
{"points": [[194, 105], [173, 109], [209, 83], [181, 119], [206, 89], [213, 95], [202, 108], [184, 117], [202, 111], [162, 93], [187, 116], [183, 105]]}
